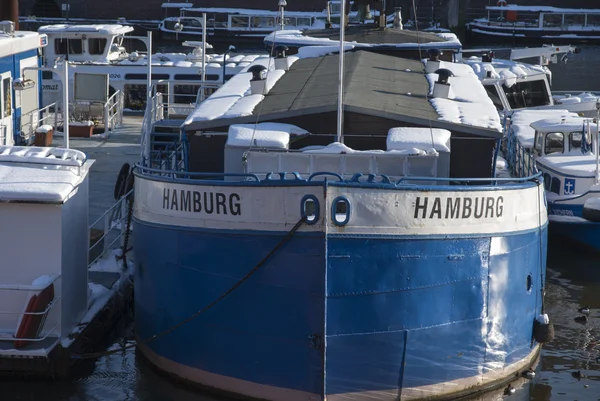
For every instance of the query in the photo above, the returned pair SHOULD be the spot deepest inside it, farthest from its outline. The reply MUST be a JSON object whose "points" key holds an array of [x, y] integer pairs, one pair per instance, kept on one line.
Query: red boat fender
{"points": [[31, 325]]}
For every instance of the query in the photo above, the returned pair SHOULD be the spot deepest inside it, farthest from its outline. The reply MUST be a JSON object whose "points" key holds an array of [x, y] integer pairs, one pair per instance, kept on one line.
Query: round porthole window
{"points": [[310, 209], [340, 211]]}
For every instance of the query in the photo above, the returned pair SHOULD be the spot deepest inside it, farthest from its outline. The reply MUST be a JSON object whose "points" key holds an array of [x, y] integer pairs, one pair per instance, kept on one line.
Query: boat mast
{"points": [[282, 4], [597, 148], [340, 111]]}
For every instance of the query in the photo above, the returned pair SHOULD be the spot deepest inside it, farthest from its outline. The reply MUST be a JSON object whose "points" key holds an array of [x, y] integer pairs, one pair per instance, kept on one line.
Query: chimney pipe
{"points": [[433, 63], [258, 83], [9, 10], [441, 88], [281, 60]]}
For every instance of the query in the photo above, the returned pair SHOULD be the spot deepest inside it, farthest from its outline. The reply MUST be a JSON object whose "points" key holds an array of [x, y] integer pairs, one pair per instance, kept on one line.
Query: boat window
{"points": [[96, 45], [6, 90], [185, 93], [192, 23], [593, 19], [576, 138], [143, 77], [555, 186], [537, 147], [238, 21], [170, 25], [554, 143], [135, 95], [547, 181], [552, 20], [303, 21], [288, 21], [73, 46], [47, 75], [196, 77], [263, 22], [527, 94], [575, 19], [221, 20], [494, 96]]}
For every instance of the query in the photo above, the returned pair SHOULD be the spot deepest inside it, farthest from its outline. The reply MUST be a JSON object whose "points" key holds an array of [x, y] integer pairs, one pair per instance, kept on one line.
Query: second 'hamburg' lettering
{"points": [[481, 207]]}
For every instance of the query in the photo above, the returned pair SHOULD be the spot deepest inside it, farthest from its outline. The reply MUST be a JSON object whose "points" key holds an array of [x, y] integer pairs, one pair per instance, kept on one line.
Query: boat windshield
{"points": [[527, 94]]}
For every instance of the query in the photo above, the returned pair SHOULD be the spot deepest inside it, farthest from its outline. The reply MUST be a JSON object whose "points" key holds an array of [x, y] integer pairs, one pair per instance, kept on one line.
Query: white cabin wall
{"points": [[75, 248], [28, 247]]}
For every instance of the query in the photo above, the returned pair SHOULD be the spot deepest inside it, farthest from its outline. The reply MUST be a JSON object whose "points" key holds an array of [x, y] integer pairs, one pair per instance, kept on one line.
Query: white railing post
{"points": [[123, 220], [106, 118]]}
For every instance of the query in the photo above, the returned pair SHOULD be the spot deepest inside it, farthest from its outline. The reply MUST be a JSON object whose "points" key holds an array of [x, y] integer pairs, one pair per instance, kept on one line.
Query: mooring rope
{"points": [[262, 262]]}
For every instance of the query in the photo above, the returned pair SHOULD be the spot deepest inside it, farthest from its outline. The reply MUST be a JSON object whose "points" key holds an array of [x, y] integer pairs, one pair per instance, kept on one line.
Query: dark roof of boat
{"points": [[377, 85], [372, 35]]}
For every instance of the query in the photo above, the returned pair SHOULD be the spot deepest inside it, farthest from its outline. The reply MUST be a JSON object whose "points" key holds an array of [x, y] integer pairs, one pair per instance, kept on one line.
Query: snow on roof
{"points": [[507, 70], [105, 29], [297, 38], [468, 102], [565, 124], [417, 137], [521, 122], [40, 174], [20, 42], [544, 9], [269, 135], [234, 98]]}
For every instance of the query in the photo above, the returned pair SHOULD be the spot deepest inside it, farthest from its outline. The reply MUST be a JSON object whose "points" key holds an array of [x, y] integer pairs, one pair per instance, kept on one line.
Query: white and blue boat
{"points": [[278, 261], [564, 147]]}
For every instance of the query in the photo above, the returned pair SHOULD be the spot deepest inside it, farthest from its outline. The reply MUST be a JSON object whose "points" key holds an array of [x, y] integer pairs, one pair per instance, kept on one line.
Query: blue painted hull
{"points": [[401, 315], [581, 231]]}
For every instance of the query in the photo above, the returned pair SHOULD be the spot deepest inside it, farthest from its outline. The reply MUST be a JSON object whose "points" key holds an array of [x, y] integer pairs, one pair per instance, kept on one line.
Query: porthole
{"points": [[309, 209], [340, 211]]}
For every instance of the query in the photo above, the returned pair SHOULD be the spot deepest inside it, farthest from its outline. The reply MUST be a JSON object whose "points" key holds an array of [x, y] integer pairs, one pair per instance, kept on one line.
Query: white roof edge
{"points": [[39, 155]]}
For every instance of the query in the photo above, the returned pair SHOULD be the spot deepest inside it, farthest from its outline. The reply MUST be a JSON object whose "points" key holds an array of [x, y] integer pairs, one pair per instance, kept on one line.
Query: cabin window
{"points": [[494, 96], [185, 93], [143, 77], [554, 143], [240, 21], [196, 77], [72, 46], [263, 22], [96, 45], [552, 20], [301, 21], [575, 19], [547, 181], [527, 94], [135, 97], [555, 186], [47, 75], [575, 140], [221, 20], [593, 19], [6, 90]]}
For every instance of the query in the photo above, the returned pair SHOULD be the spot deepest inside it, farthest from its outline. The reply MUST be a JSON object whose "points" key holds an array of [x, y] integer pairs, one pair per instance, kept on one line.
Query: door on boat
{"points": [[6, 109]]}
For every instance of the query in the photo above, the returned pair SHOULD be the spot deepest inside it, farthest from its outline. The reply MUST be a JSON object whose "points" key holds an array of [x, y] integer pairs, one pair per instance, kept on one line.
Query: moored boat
{"points": [[565, 149], [280, 261], [529, 23]]}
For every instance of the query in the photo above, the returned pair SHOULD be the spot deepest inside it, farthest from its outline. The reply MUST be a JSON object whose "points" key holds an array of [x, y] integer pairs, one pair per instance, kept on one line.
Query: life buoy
{"points": [[32, 324], [501, 3]]}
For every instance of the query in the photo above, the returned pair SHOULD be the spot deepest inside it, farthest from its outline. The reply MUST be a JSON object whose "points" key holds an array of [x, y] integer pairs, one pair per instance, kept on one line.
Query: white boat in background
{"points": [[529, 23], [564, 147], [100, 49], [515, 85]]}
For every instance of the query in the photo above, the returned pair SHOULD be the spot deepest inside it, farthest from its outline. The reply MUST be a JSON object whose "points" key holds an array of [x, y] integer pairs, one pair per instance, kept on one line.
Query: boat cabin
{"points": [[20, 84], [564, 136], [544, 17], [385, 109]]}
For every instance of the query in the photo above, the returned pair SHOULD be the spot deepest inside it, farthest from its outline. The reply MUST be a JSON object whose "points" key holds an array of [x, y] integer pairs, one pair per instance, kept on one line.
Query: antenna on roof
{"points": [[340, 113]]}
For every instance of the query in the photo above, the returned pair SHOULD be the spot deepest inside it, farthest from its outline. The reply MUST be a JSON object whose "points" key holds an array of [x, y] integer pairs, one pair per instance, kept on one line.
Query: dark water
{"points": [[573, 281]]}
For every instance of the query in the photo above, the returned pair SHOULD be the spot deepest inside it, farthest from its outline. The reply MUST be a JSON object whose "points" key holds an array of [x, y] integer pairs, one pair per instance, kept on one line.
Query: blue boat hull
{"points": [[566, 221], [402, 315]]}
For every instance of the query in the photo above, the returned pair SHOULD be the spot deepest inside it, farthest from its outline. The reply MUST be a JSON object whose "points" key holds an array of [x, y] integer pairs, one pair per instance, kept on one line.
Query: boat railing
{"points": [[178, 105], [108, 229], [520, 159], [33, 119], [187, 177], [113, 112], [20, 296]]}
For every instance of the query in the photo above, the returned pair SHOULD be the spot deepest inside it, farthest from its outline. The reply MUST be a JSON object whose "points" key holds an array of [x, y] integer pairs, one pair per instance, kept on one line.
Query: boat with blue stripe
{"points": [[564, 147], [278, 261]]}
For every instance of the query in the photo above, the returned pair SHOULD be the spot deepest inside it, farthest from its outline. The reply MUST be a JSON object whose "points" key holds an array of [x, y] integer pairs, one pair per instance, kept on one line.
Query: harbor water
{"points": [[573, 281]]}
